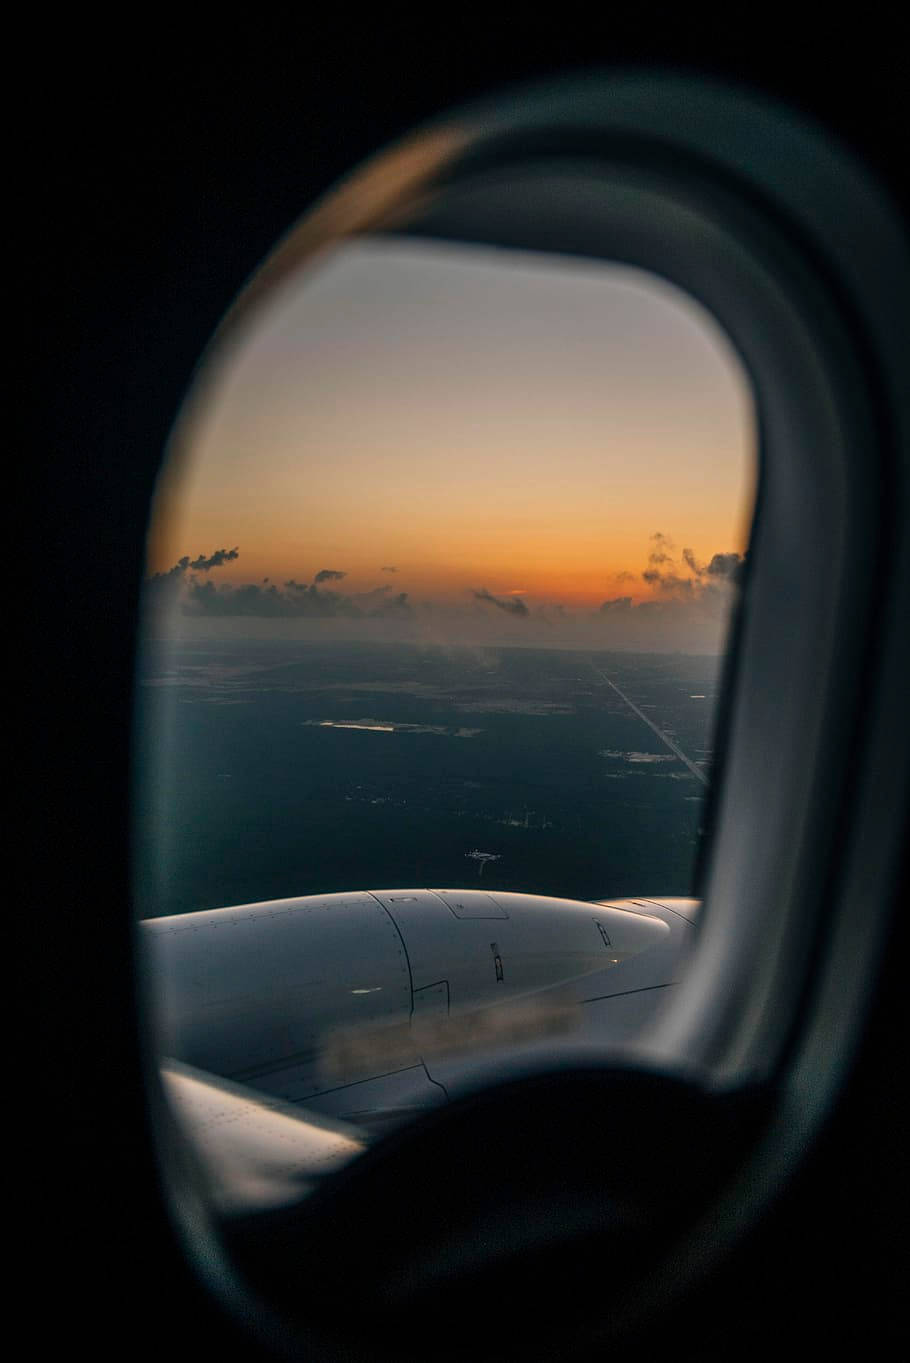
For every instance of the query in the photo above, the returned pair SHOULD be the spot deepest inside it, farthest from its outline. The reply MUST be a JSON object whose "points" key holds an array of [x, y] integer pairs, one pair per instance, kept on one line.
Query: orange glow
{"points": [[437, 420]]}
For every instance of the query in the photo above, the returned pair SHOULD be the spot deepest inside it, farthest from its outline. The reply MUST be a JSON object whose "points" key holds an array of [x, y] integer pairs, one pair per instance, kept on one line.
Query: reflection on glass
{"points": [[437, 597]]}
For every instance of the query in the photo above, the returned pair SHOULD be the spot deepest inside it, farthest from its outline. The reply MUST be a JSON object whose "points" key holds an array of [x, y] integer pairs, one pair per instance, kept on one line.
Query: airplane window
{"points": [[440, 580]]}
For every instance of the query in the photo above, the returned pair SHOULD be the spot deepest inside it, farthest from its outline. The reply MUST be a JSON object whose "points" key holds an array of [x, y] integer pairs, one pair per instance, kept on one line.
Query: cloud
{"points": [[176, 572], [298, 602], [512, 605], [685, 608], [199, 564], [203, 564], [295, 601], [666, 579], [663, 549], [727, 565], [164, 589], [668, 582], [179, 589], [666, 576]]}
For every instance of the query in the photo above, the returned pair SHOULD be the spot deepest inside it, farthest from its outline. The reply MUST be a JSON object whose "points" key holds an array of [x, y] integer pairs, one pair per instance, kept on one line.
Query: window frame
{"points": [[777, 989]]}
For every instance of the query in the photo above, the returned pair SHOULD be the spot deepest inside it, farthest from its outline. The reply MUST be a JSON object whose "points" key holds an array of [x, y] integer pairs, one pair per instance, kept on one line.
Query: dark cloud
{"points": [[203, 564], [666, 579], [178, 587], [662, 551], [687, 604], [176, 572], [200, 564], [665, 575], [163, 589], [721, 565], [269, 602], [296, 601], [727, 565], [512, 605]]}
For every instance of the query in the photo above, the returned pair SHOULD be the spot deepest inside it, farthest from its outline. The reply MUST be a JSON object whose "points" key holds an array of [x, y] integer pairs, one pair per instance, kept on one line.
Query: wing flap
{"points": [[258, 1153]]}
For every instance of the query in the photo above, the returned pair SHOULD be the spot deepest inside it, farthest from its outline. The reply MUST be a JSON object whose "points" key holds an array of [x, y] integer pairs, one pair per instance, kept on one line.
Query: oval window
{"points": [[441, 575]]}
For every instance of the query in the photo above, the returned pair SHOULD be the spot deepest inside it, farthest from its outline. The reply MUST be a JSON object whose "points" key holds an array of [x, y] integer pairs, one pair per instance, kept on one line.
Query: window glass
{"points": [[438, 594]]}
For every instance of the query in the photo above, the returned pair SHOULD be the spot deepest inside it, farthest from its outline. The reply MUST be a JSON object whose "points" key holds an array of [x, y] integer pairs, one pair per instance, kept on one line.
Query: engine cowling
{"points": [[261, 993]]}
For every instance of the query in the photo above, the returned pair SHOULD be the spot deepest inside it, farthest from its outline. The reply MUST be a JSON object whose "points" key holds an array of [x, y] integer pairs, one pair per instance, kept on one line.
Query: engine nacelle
{"points": [[259, 993]]}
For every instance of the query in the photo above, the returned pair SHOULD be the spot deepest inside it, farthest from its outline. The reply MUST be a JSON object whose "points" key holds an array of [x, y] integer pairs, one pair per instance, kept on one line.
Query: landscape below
{"points": [[272, 768]]}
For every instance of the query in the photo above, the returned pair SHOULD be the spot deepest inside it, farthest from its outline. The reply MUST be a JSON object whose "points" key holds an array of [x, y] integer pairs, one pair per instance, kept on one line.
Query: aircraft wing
{"points": [[257, 1153]]}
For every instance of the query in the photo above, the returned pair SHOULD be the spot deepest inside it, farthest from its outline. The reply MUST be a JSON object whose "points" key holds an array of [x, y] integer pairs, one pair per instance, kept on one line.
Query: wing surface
{"points": [[258, 1153]]}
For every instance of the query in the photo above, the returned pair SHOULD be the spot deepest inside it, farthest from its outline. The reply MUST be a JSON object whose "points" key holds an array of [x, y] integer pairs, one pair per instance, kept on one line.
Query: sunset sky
{"points": [[444, 421]]}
